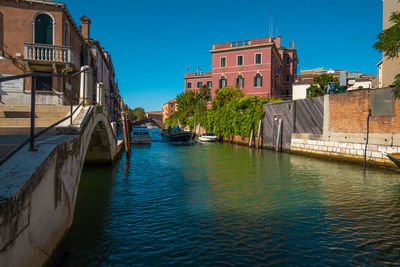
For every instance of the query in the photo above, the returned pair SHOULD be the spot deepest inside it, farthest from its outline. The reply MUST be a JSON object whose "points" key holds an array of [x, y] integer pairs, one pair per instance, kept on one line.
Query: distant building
{"points": [[259, 67], [351, 80], [389, 68], [155, 115], [169, 108]]}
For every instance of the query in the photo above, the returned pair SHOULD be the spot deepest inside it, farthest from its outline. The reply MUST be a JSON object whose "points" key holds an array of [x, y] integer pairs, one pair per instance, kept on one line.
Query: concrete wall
{"points": [[38, 191], [345, 131]]}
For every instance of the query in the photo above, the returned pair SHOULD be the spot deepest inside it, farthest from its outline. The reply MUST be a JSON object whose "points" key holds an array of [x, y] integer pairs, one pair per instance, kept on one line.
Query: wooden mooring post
{"points": [[258, 134], [251, 138], [127, 140]]}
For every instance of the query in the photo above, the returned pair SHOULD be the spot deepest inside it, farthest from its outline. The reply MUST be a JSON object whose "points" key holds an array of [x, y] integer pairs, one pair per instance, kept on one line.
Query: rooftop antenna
{"points": [[269, 23]]}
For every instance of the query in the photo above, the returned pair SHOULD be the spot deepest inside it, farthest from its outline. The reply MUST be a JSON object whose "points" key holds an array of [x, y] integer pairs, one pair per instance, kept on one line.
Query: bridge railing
{"points": [[33, 136]]}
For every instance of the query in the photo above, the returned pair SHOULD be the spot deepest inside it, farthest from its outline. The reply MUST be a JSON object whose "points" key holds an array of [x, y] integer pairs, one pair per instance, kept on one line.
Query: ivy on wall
{"points": [[231, 113]]}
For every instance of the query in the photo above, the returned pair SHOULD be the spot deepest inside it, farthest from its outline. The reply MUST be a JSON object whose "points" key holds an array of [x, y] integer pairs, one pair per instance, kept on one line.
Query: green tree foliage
{"points": [[189, 103], [231, 113], [236, 117], [138, 113], [389, 44], [389, 39], [324, 79], [129, 111], [321, 81], [314, 91], [224, 96]]}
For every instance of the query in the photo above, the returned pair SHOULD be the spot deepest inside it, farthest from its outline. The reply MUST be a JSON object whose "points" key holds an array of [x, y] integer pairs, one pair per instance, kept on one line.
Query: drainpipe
{"points": [[366, 142]]}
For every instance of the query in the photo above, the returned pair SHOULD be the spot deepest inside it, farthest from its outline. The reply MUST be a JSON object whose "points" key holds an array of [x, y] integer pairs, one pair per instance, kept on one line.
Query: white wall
{"points": [[364, 84], [300, 91]]}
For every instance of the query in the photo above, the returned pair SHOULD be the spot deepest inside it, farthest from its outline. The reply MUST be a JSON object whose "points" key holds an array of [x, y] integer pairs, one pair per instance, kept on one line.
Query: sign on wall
{"points": [[13, 85]]}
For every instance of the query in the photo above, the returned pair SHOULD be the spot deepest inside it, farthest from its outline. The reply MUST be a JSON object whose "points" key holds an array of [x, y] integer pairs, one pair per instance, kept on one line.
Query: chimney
{"points": [[293, 45], [277, 41], [85, 28]]}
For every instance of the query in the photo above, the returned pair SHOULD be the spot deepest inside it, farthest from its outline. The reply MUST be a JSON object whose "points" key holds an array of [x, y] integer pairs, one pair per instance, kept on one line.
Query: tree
{"points": [[138, 113], [224, 96], [315, 91], [324, 79], [321, 81], [204, 93], [389, 44]]}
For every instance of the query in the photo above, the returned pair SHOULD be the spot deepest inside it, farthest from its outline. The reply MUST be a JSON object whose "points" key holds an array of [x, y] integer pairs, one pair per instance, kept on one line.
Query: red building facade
{"points": [[259, 67]]}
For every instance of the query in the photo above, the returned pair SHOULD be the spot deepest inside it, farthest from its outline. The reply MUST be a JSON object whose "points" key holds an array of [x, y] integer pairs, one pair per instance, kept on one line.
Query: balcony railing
{"points": [[51, 53]]}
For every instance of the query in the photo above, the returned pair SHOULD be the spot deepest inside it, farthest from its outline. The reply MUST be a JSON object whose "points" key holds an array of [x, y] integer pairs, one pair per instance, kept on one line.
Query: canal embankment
{"points": [[357, 126], [353, 126]]}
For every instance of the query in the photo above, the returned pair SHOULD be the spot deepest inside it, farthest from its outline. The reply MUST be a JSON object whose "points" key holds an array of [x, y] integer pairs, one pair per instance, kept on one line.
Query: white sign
{"points": [[13, 85]]}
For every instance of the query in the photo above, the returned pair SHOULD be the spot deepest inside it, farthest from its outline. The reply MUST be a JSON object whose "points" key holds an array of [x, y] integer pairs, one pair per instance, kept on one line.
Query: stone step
{"points": [[26, 122], [24, 131], [38, 108], [26, 114]]}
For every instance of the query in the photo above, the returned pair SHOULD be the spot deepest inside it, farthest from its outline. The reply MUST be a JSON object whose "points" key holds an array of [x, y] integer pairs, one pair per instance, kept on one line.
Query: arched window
{"points": [[44, 29], [66, 34], [258, 80], [240, 81], [222, 82]]}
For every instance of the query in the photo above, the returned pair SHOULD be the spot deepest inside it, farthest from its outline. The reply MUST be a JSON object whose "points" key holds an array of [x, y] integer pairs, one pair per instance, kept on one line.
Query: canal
{"points": [[218, 204]]}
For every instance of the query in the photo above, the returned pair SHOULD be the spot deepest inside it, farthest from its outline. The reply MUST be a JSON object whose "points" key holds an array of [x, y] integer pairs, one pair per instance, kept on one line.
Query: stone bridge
{"points": [[38, 189], [149, 120]]}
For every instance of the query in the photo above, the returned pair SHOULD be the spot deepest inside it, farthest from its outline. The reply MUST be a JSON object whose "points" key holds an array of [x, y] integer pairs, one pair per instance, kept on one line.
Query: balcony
{"points": [[50, 53]]}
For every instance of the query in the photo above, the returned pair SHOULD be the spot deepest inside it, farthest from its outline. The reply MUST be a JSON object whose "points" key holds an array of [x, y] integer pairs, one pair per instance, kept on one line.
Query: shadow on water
{"points": [[88, 231]]}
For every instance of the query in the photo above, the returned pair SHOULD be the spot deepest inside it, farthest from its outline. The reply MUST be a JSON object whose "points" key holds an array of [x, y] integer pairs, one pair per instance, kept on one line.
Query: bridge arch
{"points": [[38, 206]]}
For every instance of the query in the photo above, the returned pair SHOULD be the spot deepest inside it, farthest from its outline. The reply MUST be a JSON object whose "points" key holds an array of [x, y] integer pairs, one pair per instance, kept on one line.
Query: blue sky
{"points": [[152, 42]]}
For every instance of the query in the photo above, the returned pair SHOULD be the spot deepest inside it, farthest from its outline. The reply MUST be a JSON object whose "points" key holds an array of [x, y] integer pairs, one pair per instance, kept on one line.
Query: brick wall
{"points": [[349, 112]]}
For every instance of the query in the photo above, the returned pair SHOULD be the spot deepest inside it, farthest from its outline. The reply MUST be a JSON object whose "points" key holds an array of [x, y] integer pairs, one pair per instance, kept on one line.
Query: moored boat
{"points": [[395, 157], [208, 137], [140, 135], [176, 135]]}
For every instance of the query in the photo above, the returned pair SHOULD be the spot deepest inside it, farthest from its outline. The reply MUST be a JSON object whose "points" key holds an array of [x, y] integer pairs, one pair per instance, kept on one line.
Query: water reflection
{"points": [[215, 204]]}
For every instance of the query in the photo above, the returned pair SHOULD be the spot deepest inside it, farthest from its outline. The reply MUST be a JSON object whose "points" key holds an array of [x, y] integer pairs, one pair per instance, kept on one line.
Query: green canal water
{"points": [[219, 204]]}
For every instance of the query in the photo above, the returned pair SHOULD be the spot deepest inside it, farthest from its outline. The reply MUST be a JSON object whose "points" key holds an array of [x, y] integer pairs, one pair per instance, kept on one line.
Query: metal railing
{"points": [[43, 52], [33, 136]]}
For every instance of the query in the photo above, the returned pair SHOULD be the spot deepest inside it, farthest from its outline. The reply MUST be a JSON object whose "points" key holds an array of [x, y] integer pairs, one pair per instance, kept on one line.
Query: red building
{"points": [[259, 67]]}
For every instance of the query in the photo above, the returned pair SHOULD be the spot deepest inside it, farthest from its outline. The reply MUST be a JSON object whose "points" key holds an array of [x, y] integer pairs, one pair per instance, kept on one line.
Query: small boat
{"points": [[208, 137], [176, 135], [140, 135], [395, 157]]}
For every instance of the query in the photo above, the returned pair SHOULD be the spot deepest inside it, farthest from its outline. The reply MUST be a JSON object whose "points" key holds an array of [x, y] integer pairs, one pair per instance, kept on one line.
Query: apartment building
{"points": [[259, 67]]}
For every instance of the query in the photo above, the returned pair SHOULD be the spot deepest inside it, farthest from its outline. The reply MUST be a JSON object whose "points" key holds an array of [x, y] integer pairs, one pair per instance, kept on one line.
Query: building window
{"points": [[43, 83], [199, 84], [258, 80], [189, 85], [209, 83], [66, 34], [288, 60], [239, 60], [222, 82], [44, 29], [287, 78], [258, 59], [240, 81], [223, 62]]}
